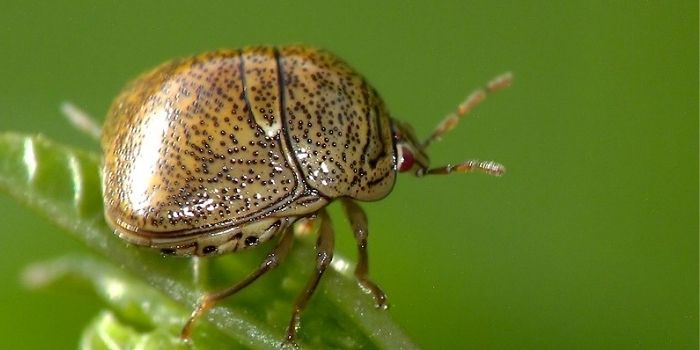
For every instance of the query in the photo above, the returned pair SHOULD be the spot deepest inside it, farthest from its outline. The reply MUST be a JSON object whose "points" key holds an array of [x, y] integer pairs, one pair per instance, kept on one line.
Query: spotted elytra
{"points": [[228, 149]]}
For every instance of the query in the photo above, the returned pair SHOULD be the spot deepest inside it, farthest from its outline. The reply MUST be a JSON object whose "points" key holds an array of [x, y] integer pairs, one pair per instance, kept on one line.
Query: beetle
{"points": [[222, 151]]}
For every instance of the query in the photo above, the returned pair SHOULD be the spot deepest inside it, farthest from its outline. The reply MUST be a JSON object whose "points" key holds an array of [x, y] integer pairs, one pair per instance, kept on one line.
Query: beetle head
{"points": [[410, 155]]}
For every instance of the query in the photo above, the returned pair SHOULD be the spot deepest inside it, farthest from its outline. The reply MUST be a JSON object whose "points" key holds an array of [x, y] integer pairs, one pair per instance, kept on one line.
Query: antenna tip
{"points": [[500, 82]]}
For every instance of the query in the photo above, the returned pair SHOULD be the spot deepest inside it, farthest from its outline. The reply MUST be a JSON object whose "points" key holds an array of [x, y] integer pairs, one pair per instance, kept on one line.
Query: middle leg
{"points": [[324, 255]]}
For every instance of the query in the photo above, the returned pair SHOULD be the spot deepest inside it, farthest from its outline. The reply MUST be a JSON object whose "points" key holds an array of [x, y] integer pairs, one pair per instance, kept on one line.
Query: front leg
{"points": [[358, 221]]}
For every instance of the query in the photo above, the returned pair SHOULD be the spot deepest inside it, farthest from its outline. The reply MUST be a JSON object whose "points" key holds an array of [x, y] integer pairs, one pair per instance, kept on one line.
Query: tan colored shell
{"points": [[337, 125], [210, 147]]}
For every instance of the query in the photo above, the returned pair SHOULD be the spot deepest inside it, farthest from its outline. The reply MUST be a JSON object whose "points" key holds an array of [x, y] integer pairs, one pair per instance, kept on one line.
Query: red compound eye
{"points": [[406, 159]]}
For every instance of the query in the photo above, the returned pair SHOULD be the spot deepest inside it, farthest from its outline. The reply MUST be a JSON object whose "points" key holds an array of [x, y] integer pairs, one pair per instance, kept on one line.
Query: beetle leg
{"points": [[81, 120], [324, 255], [358, 221], [200, 267], [208, 300], [305, 226]]}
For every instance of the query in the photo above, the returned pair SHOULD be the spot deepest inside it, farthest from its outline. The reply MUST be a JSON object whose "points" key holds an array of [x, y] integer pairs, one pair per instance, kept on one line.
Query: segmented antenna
{"points": [[474, 99]]}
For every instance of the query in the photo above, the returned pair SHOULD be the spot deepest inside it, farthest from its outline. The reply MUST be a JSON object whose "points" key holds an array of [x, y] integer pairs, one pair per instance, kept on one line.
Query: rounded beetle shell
{"points": [[236, 138]]}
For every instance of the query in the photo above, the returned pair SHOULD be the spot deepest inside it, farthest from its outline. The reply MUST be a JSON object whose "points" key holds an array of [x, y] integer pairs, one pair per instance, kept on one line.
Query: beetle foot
{"points": [[290, 339], [289, 344], [205, 303], [380, 299]]}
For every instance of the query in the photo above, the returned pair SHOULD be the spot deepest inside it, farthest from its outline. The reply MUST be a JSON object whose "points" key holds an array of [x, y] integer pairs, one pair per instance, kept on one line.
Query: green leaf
{"points": [[63, 185], [141, 317], [107, 332]]}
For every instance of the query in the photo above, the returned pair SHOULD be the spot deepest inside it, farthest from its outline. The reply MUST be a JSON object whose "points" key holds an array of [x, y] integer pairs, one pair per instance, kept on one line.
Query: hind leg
{"points": [[81, 120], [209, 300]]}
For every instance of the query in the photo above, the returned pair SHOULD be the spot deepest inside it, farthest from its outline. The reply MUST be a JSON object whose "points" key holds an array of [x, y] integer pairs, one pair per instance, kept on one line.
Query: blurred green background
{"points": [[589, 241]]}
